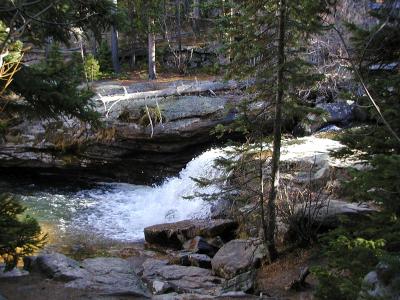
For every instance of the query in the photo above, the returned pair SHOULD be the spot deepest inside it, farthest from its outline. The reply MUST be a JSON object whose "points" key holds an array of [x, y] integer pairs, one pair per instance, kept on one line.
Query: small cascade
{"points": [[122, 211]]}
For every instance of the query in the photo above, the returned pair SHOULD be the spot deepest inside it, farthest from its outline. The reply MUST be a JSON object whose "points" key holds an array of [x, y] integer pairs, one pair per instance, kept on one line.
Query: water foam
{"points": [[122, 211]]}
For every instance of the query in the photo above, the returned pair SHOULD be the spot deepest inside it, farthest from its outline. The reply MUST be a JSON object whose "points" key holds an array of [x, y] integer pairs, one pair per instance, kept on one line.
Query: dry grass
{"points": [[139, 76]]}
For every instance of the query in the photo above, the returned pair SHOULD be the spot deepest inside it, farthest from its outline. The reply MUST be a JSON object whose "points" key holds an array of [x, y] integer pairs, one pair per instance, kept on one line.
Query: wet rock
{"points": [[16, 272], [200, 245], [174, 235], [60, 267], [238, 256], [110, 276], [181, 279], [244, 282]]}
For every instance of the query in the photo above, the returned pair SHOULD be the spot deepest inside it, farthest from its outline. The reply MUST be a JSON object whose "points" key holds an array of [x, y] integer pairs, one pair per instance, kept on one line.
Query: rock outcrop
{"points": [[174, 235], [110, 276], [130, 146], [173, 278], [102, 275]]}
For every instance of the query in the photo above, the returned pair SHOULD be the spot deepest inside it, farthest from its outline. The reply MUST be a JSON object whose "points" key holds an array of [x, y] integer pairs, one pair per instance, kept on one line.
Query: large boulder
{"points": [[238, 256], [174, 235], [180, 279]]}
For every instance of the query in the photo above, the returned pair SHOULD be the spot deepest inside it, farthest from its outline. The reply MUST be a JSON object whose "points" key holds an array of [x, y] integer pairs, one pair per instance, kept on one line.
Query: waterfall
{"points": [[122, 211]]}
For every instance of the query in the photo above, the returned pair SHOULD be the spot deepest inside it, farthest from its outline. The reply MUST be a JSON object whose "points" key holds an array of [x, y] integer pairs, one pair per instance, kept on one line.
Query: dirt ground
{"points": [[274, 279]]}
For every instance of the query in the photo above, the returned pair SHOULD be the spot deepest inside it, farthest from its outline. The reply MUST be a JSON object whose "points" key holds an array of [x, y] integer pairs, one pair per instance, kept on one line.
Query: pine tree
{"points": [[356, 248], [375, 53], [266, 42], [19, 235]]}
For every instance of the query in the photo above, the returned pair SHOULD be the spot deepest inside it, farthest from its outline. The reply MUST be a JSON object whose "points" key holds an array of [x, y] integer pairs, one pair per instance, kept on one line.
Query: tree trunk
{"points": [[180, 90], [271, 226], [196, 9], [48, 45], [114, 47], [152, 52], [179, 33], [196, 15]]}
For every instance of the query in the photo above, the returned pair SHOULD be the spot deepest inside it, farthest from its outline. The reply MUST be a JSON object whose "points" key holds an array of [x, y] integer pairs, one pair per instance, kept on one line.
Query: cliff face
{"points": [[129, 147]]}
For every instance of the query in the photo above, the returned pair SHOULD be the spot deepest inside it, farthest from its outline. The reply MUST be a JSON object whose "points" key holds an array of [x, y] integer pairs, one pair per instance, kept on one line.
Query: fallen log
{"points": [[183, 89]]}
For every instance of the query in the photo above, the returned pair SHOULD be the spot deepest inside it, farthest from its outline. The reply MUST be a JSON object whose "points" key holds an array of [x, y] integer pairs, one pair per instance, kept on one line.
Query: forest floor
{"points": [[276, 278]]}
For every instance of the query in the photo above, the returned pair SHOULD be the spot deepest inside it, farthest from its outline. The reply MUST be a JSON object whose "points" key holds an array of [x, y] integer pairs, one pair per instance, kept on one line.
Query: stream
{"points": [[119, 211]]}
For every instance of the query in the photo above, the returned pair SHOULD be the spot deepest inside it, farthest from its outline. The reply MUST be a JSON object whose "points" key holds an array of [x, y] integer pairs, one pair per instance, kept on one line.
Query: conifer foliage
{"points": [[265, 41], [19, 235]]}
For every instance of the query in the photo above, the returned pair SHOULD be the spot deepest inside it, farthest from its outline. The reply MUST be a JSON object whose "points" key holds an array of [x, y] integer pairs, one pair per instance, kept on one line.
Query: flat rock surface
{"points": [[110, 276], [59, 267], [102, 275], [181, 279]]}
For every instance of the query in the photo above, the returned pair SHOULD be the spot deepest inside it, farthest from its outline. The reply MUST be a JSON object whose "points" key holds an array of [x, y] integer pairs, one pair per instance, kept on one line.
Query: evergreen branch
{"points": [[360, 78]]}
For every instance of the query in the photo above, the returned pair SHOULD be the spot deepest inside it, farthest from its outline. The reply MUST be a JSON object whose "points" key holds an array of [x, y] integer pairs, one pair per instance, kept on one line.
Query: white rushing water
{"points": [[121, 211]]}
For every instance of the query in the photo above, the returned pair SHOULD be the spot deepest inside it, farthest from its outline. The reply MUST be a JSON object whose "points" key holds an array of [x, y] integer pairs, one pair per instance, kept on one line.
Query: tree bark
{"points": [[114, 47], [196, 9], [152, 52], [196, 15], [179, 33], [274, 184], [180, 90]]}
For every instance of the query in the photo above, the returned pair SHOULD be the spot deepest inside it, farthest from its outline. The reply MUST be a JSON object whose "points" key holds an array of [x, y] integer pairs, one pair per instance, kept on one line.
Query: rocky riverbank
{"points": [[132, 147], [190, 259]]}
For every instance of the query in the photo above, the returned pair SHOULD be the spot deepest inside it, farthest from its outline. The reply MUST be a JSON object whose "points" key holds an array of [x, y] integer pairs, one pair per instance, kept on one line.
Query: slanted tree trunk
{"points": [[271, 207], [114, 47], [152, 51]]}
